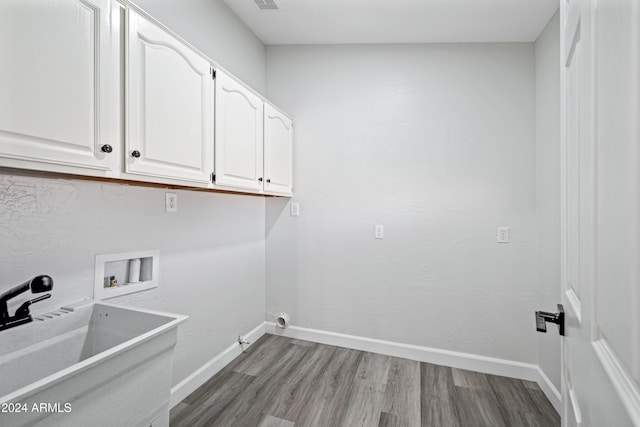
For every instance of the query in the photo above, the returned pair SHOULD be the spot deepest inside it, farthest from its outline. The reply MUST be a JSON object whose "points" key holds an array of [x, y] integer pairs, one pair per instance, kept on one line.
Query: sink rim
{"points": [[85, 364]]}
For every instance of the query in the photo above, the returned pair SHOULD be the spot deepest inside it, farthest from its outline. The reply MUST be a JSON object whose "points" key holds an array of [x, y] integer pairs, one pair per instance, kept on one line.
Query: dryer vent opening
{"points": [[283, 320]]}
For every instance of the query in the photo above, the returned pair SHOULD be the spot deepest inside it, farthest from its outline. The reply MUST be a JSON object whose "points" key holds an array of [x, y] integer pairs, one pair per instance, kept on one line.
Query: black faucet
{"points": [[37, 284]]}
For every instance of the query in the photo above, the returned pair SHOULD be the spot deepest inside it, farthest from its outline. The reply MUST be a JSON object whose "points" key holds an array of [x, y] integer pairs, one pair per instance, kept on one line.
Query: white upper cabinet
{"points": [[170, 107], [239, 135], [97, 88], [278, 142], [59, 85]]}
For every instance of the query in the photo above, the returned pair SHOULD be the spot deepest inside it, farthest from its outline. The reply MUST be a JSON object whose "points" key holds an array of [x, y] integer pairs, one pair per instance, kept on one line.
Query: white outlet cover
{"points": [[379, 231], [171, 202], [502, 235], [295, 209]]}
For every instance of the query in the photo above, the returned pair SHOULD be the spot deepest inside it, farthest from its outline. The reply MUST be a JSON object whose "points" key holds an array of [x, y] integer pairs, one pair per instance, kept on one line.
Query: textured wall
{"points": [[547, 51], [435, 142], [211, 27], [211, 252]]}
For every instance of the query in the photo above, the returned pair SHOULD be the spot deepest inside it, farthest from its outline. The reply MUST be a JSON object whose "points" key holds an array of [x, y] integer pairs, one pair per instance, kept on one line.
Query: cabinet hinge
{"points": [[213, 73], [213, 178]]}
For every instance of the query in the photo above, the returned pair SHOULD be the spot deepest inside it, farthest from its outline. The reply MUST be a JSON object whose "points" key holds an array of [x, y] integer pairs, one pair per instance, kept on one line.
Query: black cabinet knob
{"points": [[260, 179], [135, 153], [106, 148], [268, 180]]}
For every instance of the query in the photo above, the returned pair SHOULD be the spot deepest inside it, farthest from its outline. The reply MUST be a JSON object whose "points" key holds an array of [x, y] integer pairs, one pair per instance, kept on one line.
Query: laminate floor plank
{"points": [[270, 421], [402, 392], [280, 382], [178, 412], [334, 391], [374, 368], [251, 407], [369, 389], [517, 405], [546, 412], [363, 410], [470, 379], [390, 420], [478, 408], [303, 343], [437, 391], [265, 355], [300, 386], [205, 390], [248, 352], [531, 385], [217, 380], [208, 408]]}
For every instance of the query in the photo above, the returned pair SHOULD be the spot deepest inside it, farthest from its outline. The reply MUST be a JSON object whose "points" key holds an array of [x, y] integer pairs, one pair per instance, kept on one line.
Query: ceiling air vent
{"points": [[266, 4]]}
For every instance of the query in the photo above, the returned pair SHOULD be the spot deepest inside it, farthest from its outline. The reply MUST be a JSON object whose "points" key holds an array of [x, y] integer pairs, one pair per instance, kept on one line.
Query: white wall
{"points": [[547, 52], [211, 252], [210, 26], [435, 142]]}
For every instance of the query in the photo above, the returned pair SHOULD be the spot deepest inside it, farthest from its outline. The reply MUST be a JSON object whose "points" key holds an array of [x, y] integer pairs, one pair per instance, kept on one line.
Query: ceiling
{"points": [[396, 21]]}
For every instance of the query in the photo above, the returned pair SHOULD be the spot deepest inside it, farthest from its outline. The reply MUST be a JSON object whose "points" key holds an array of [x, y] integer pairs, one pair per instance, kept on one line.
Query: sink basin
{"points": [[94, 364]]}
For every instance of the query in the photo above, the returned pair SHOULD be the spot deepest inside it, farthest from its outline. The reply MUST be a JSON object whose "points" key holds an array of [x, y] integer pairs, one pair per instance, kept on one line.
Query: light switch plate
{"points": [[379, 231]]}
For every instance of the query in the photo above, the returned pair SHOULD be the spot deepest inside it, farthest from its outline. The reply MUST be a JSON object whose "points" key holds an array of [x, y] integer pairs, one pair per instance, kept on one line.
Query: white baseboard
{"points": [[187, 386], [472, 362], [552, 393]]}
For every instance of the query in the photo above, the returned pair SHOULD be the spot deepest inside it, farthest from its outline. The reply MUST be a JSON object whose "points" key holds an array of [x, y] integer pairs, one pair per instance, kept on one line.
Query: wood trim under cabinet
{"points": [[120, 181]]}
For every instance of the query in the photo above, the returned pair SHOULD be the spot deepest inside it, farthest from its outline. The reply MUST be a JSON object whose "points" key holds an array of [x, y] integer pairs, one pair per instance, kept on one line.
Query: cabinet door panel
{"points": [[170, 106], [59, 81], [278, 141], [239, 134]]}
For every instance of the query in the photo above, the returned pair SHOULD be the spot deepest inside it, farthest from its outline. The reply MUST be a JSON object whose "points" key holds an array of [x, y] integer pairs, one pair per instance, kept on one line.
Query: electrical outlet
{"points": [[171, 202], [295, 209], [503, 235], [379, 232]]}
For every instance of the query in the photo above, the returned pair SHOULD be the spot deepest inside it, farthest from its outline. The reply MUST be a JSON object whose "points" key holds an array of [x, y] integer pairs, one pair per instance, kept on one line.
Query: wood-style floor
{"points": [[281, 382]]}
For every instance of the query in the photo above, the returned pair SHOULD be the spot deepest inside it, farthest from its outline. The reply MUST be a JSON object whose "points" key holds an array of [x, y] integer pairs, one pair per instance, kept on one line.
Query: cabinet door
{"points": [[239, 135], [278, 143], [169, 106], [59, 79]]}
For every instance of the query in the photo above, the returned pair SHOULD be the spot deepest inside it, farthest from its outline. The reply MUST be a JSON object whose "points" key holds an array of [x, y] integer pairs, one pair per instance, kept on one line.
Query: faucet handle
{"points": [[23, 310]]}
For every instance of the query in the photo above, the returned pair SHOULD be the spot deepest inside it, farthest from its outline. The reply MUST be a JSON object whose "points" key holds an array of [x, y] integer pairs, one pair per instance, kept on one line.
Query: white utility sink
{"points": [[94, 364]]}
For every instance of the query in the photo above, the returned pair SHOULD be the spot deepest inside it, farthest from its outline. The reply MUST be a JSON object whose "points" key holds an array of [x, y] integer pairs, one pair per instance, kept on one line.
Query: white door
{"points": [[278, 144], [59, 84], [169, 106], [239, 135], [601, 212]]}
